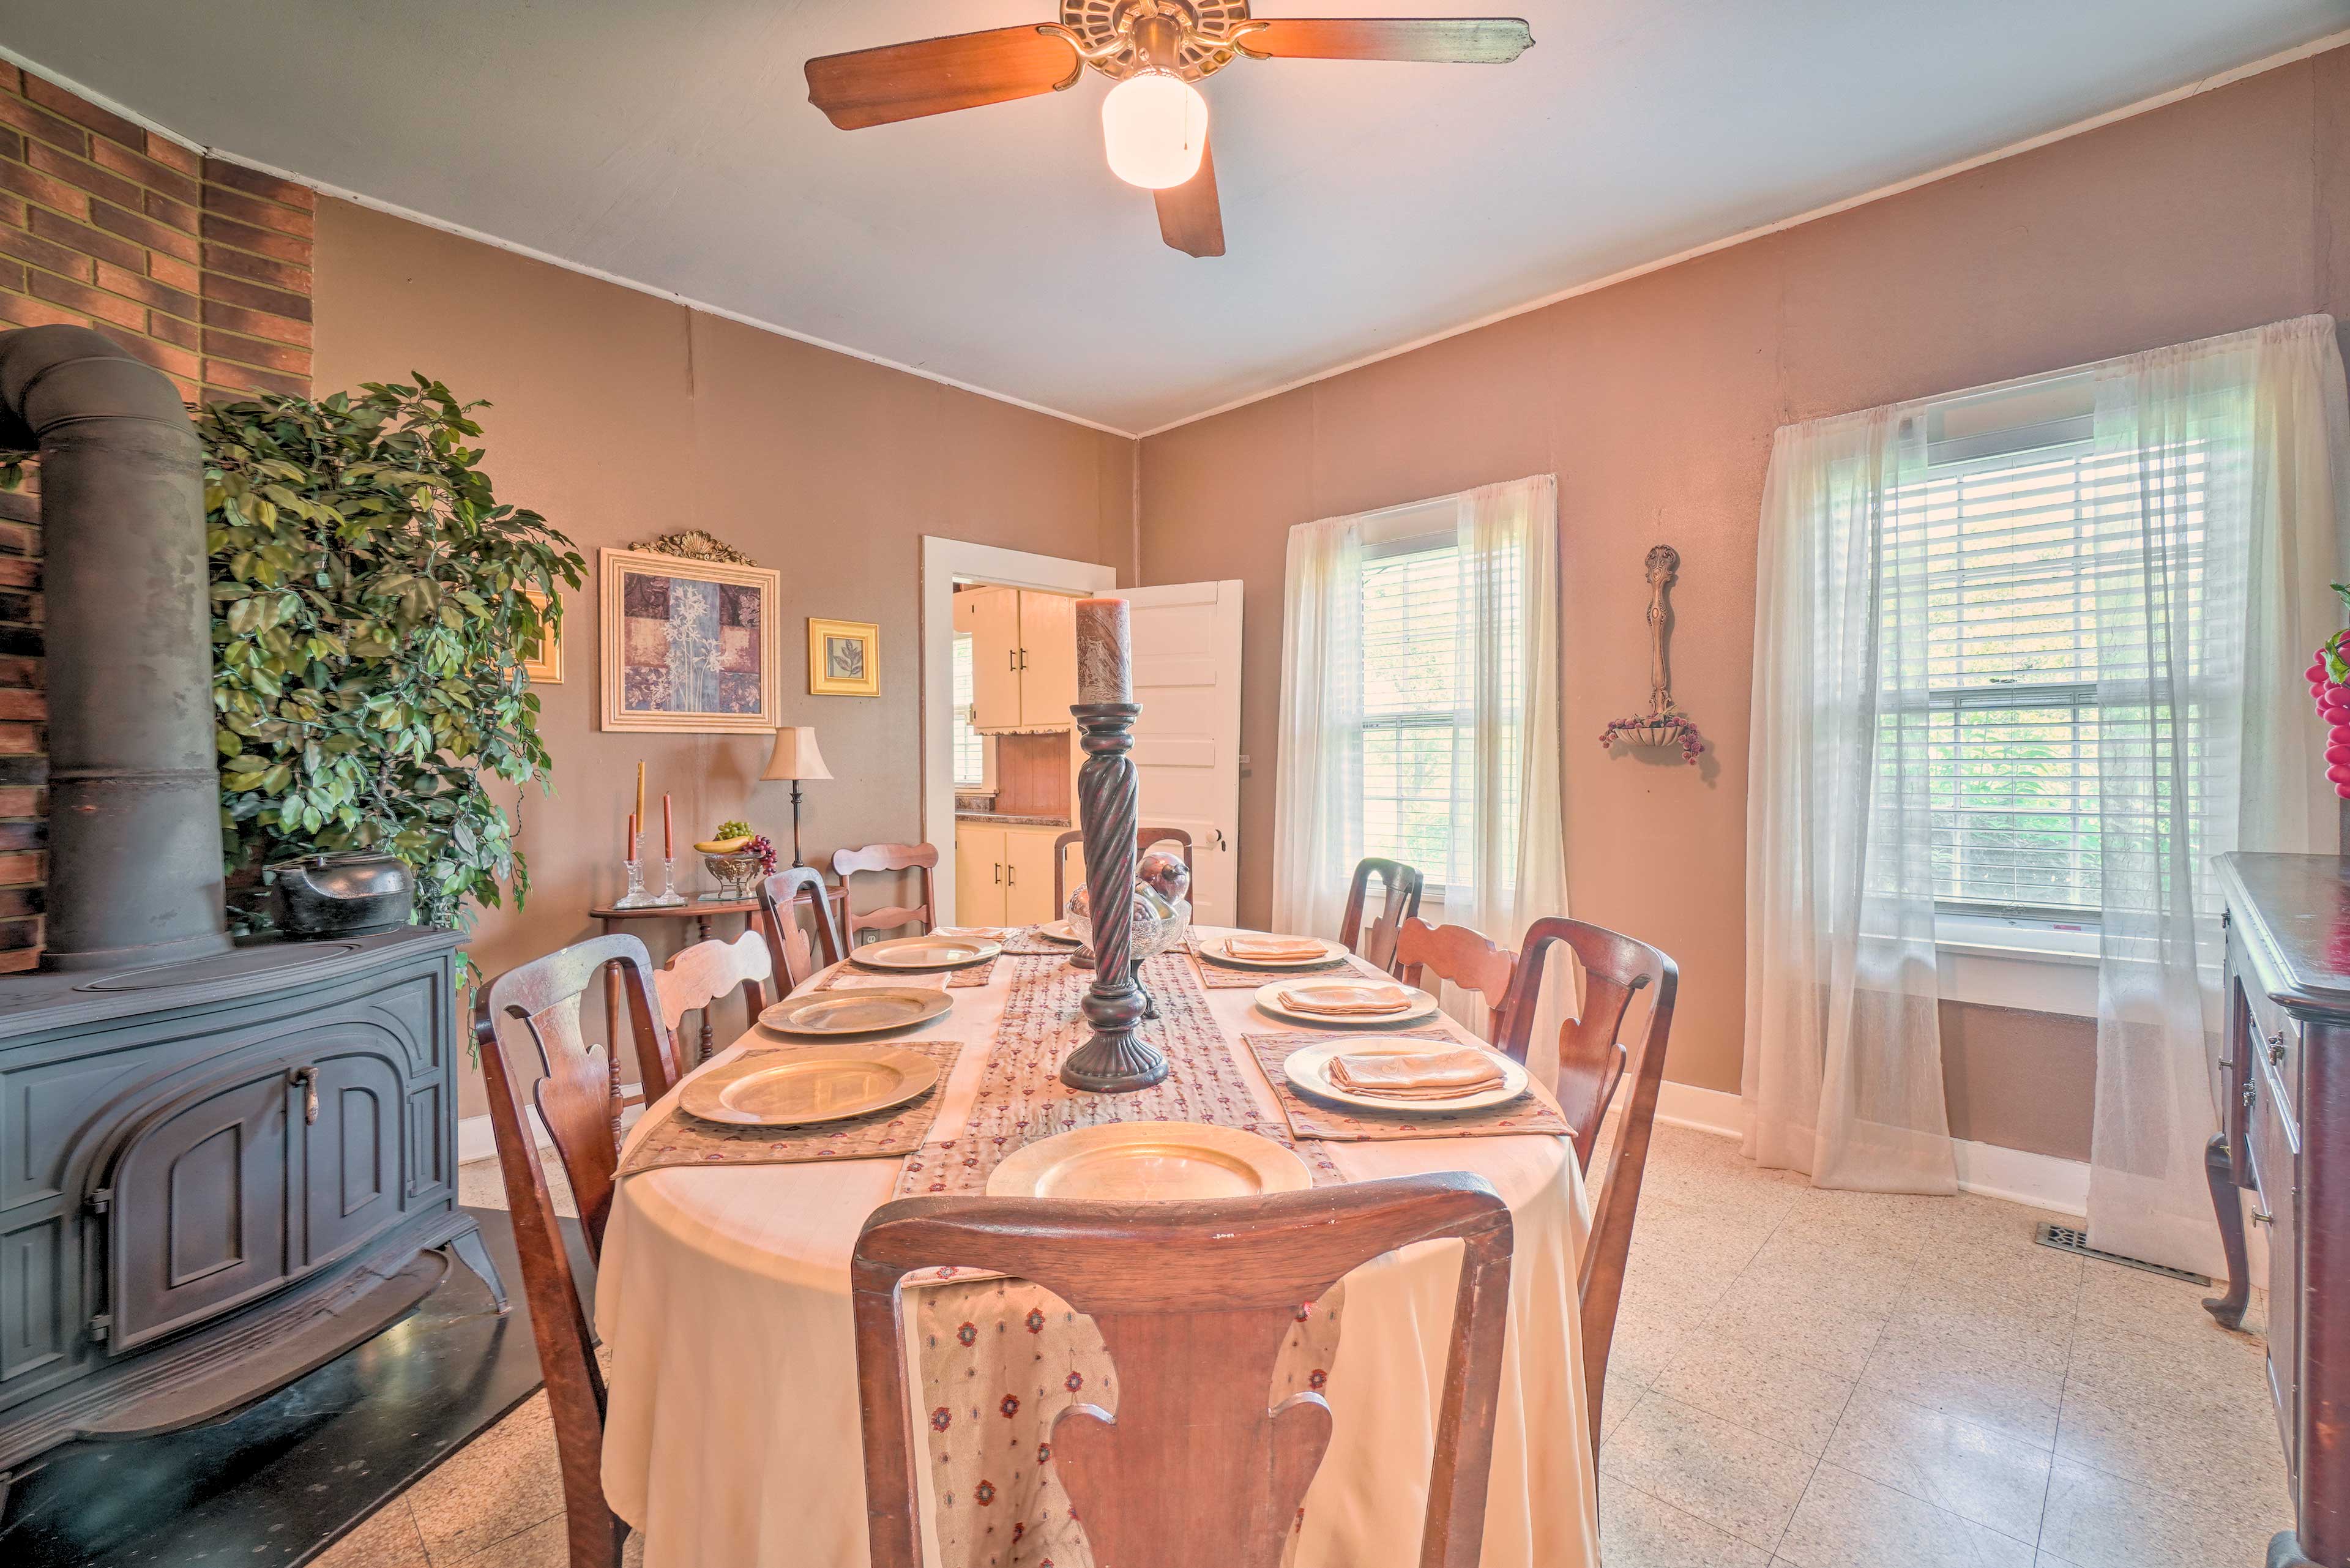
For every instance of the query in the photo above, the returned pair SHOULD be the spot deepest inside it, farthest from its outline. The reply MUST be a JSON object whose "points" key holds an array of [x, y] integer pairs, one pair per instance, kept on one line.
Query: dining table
{"points": [[732, 1436]]}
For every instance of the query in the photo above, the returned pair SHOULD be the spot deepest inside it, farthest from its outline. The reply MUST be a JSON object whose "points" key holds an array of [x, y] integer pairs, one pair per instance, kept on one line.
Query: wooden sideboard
{"points": [[2286, 1073]]}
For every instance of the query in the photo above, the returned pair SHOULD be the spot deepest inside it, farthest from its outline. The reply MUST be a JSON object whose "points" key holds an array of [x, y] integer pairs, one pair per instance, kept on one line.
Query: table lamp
{"points": [[796, 758]]}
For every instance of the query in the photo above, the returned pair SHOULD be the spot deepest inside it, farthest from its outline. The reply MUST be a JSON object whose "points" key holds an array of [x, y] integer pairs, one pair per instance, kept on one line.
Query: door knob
{"points": [[308, 1079]]}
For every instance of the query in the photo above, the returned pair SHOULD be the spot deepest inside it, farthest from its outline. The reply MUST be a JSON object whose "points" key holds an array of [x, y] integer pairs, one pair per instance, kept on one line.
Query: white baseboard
{"points": [[1703, 1110], [475, 1141], [2019, 1177]]}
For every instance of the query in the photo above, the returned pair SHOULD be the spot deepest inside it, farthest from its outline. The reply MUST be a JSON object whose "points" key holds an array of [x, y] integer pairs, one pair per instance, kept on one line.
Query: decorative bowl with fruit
{"points": [[737, 857]]}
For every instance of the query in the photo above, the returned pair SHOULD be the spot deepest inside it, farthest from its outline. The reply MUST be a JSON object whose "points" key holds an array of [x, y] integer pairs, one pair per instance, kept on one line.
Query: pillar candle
{"points": [[668, 830], [1105, 655]]}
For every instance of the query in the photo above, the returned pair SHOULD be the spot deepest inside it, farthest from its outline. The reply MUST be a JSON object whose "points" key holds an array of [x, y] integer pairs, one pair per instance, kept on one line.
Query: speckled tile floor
{"points": [[1800, 1378]]}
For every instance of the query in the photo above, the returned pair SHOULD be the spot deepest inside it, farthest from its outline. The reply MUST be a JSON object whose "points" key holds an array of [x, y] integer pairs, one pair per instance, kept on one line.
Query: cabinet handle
{"points": [[1012, 876], [1023, 658], [307, 1077], [2260, 1216], [1011, 660], [2249, 1095], [2276, 1049], [999, 873]]}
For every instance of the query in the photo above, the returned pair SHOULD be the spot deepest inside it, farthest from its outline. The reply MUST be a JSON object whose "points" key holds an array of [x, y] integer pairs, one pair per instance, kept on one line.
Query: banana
{"points": [[722, 845]]}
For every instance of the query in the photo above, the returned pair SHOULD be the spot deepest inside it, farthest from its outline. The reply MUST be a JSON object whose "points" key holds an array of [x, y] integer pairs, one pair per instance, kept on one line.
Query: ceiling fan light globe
{"points": [[1154, 128]]}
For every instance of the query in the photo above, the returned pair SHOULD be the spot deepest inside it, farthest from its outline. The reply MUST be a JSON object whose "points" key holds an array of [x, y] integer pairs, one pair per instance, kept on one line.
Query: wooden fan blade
{"points": [[1189, 217], [1462, 40], [906, 81]]}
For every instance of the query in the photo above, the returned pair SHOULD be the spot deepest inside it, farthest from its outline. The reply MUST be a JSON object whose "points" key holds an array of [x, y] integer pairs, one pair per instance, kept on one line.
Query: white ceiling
{"points": [[1366, 206]]}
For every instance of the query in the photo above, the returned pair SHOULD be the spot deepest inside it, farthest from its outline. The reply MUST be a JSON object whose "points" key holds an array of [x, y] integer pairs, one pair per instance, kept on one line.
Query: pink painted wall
{"points": [[1654, 401]]}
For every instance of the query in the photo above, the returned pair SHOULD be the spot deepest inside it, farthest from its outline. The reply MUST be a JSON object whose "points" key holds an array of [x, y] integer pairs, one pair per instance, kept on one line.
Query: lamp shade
{"points": [[796, 756], [1154, 128]]}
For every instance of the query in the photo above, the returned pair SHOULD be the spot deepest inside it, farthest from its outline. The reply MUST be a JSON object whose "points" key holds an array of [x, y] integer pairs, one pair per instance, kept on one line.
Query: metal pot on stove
{"points": [[353, 893]]}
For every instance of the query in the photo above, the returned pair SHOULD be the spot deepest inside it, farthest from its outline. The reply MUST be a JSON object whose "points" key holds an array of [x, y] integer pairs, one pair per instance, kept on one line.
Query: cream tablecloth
{"points": [[732, 1439]]}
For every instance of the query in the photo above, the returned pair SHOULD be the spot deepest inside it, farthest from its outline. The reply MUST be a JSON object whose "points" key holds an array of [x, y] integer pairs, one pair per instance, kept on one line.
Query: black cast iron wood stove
{"points": [[220, 1166]]}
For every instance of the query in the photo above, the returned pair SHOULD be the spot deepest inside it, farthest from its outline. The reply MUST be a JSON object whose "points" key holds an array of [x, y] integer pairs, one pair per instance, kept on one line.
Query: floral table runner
{"points": [[1021, 1097]]}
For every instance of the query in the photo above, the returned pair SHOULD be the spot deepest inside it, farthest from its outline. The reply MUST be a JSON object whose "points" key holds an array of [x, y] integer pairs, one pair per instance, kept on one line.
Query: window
{"points": [[2034, 545], [969, 745], [1420, 735]]}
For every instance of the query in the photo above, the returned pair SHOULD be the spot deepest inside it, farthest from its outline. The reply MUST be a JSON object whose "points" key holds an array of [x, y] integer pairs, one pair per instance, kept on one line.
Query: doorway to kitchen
{"points": [[999, 754]]}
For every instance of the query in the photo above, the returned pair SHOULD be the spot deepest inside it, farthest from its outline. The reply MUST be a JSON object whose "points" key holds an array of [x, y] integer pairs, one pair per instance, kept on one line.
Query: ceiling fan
{"points": [[1154, 122]]}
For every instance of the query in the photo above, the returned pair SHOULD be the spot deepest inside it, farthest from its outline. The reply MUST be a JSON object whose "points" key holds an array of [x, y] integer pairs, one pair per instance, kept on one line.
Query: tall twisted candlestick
{"points": [[1115, 1058]]}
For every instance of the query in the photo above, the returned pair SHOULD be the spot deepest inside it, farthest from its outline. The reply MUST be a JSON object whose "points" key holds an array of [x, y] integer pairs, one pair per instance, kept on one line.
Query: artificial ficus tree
{"points": [[372, 605]]}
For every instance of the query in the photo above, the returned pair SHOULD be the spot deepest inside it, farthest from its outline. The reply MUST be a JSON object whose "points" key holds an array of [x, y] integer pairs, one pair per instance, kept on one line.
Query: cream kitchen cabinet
{"points": [[1023, 658], [1003, 875]]}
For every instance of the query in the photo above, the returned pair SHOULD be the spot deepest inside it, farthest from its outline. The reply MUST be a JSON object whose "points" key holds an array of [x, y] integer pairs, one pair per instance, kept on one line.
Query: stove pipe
{"points": [[134, 795]]}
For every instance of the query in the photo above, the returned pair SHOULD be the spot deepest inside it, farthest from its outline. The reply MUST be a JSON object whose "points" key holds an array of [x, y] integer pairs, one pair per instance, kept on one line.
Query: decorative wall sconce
{"points": [[1664, 724]]}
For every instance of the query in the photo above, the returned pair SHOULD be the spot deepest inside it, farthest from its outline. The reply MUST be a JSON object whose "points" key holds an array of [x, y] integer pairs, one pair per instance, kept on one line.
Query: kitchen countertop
{"points": [[1010, 819]]}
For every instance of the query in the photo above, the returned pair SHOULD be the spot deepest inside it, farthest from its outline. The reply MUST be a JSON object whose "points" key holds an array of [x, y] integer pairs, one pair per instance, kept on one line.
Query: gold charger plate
{"points": [[812, 1084], [1131, 1162], [864, 1009], [1214, 950], [1419, 1005], [1308, 1071], [935, 951], [1061, 931]]}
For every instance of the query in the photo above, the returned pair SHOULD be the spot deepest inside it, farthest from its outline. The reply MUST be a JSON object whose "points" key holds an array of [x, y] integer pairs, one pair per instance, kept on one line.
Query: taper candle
{"points": [[640, 793], [1105, 659], [629, 849], [668, 830]]}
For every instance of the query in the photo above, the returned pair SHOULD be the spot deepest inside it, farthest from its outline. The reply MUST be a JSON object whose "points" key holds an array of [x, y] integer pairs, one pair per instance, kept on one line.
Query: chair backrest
{"points": [[578, 1100], [1399, 901], [1592, 1061], [1460, 956], [1145, 838], [705, 971], [1193, 1300], [781, 894], [920, 858]]}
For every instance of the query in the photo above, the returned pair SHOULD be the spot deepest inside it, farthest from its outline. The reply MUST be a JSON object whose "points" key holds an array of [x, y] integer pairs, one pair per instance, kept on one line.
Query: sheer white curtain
{"points": [[1506, 865], [1843, 1072], [2223, 486], [1317, 833]]}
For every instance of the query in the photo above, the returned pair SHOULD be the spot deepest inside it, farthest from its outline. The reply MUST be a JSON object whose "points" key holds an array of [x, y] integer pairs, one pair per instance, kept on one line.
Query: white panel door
{"points": [[1186, 744]]}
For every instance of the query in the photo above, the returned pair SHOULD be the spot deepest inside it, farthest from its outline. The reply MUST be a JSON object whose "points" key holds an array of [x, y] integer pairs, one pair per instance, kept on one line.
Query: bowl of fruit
{"points": [[737, 857]]}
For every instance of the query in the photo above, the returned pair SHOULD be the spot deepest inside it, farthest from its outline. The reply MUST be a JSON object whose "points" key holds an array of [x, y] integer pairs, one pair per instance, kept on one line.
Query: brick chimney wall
{"points": [[199, 266]]}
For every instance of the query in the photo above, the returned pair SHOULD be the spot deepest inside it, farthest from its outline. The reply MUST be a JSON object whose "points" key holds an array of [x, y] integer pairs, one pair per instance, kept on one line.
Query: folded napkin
{"points": [[974, 933], [1418, 1075], [1346, 1001], [1277, 947]]}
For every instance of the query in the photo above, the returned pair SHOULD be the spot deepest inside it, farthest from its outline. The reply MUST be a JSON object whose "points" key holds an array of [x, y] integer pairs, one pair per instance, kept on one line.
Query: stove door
{"points": [[198, 1204]]}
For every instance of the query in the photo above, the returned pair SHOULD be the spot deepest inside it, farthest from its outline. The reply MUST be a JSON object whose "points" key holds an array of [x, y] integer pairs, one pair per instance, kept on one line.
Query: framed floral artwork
{"points": [[688, 644], [844, 658], [542, 660]]}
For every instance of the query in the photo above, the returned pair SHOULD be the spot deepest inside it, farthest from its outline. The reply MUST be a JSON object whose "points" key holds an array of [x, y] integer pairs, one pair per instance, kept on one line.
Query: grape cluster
{"points": [[2333, 699]]}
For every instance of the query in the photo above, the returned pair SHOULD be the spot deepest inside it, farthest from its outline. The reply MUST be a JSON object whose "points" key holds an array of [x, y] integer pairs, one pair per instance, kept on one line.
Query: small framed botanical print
{"points": [[844, 658], [688, 644], [542, 657]]}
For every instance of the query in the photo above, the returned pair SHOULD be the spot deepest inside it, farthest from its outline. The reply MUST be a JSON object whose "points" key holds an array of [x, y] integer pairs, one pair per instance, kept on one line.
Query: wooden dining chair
{"points": [[1400, 888], [699, 975], [1593, 1060], [1459, 956], [795, 956], [920, 858], [1192, 1300], [577, 1099], [1145, 840]]}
